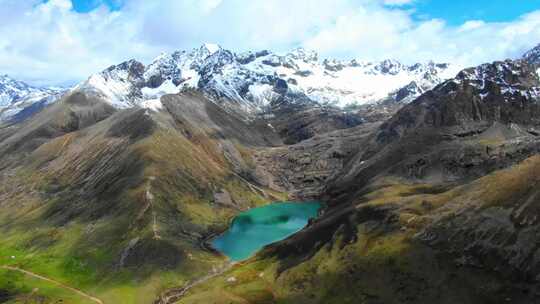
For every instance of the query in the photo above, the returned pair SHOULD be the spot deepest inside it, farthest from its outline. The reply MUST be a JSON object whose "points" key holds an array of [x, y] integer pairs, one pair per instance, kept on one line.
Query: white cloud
{"points": [[471, 25], [50, 43], [379, 33], [397, 2]]}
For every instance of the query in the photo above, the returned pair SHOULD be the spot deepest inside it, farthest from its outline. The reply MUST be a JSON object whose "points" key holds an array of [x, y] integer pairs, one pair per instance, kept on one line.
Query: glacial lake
{"points": [[253, 229]]}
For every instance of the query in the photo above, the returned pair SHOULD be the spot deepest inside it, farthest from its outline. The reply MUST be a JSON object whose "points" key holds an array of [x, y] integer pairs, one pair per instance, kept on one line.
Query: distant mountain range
{"points": [[250, 82], [19, 100], [254, 80]]}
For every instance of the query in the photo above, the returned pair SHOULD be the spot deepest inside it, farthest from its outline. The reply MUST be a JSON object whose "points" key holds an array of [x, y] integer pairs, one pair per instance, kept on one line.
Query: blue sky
{"points": [[83, 6], [456, 12], [65, 41]]}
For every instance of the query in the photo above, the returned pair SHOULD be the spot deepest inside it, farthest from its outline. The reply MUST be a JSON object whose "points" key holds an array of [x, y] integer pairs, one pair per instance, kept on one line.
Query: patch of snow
{"points": [[113, 91], [483, 95], [152, 104], [212, 48], [262, 94], [509, 90], [190, 78], [166, 87]]}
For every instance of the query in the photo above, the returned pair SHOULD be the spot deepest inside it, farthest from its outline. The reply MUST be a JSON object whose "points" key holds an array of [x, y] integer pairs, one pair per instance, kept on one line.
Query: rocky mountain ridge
{"points": [[256, 80]]}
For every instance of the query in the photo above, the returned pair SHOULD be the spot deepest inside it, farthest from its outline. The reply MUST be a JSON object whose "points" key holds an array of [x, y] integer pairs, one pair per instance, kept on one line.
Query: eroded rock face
{"points": [[297, 123], [304, 169]]}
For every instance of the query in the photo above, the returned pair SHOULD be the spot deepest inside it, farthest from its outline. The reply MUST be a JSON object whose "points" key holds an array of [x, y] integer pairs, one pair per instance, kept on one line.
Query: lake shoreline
{"points": [[256, 228]]}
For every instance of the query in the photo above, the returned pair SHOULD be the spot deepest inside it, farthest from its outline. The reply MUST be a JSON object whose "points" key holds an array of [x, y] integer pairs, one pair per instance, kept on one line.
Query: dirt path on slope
{"points": [[37, 276], [173, 295]]}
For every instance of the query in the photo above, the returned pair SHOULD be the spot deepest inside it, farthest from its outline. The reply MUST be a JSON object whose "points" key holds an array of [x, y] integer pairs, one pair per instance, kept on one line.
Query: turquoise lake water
{"points": [[253, 229]]}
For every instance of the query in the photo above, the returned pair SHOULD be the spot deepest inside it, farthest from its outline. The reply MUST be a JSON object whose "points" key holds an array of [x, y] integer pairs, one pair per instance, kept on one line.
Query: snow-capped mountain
{"points": [[119, 84], [250, 81], [256, 80], [510, 80], [533, 56], [19, 99]]}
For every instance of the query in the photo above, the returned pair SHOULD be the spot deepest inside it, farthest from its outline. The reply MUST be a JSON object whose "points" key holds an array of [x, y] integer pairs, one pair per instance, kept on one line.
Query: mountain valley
{"points": [[429, 174]]}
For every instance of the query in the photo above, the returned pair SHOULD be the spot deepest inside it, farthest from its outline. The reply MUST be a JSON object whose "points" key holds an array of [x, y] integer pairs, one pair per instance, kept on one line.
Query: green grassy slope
{"points": [[118, 209]]}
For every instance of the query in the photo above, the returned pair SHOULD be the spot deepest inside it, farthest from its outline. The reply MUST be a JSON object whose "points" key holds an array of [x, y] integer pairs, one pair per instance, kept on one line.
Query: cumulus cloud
{"points": [[369, 34], [50, 43]]}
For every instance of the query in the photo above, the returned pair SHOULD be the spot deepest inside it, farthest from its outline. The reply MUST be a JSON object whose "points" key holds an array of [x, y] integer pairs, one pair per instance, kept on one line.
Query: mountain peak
{"points": [[533, 55], [126, 65], [211, 47], [12, 89], [389, 66], [128, 70], [303, 54]]}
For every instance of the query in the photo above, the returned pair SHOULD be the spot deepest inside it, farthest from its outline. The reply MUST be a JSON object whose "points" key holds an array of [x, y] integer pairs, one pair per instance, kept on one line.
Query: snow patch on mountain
{"points": [[152, 104], [261, 93], [166, 87], [113, 91]]}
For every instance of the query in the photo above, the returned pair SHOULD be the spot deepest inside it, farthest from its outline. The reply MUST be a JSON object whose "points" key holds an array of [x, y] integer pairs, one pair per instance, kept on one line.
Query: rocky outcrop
{"points": [[295, 123]]}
